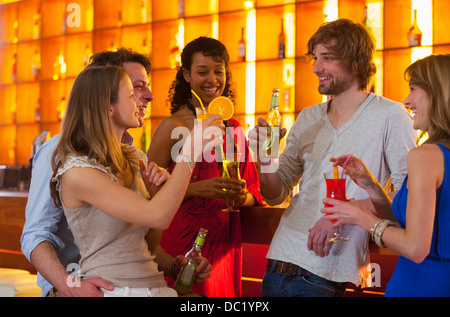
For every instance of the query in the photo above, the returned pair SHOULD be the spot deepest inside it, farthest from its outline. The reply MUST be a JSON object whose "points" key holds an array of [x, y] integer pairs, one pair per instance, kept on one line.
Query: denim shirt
{"points": [[45, 222]]}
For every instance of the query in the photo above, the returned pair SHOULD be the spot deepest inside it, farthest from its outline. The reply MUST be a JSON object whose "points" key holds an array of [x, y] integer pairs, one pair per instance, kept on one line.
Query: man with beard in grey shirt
{"points": [[301, 260]]}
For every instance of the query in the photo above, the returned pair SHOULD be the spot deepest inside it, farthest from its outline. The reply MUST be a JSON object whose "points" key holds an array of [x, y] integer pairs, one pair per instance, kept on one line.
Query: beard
{"points": [[336, 86]]}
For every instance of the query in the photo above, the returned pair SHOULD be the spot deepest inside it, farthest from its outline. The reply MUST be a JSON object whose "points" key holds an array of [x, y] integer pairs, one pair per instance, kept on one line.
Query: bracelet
{"points": [[378, 230], [186, 159], [372, 231], [172, 269]]}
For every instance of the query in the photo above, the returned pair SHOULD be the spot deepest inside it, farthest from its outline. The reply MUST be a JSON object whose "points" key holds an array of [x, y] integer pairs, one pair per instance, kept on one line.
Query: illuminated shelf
{"points": [[31, 28]]}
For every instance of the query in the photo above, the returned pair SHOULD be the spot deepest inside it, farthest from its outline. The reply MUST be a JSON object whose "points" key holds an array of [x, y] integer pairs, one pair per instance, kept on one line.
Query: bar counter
{"points": [[260, 223]]}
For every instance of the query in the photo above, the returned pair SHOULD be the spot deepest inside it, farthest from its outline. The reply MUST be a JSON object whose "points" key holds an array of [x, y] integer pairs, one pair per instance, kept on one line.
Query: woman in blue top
{"points": [[416, 224]]}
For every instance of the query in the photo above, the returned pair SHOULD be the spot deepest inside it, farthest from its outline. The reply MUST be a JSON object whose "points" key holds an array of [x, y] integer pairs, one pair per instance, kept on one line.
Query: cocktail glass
{"points": [[335, 183], [231, 170]]}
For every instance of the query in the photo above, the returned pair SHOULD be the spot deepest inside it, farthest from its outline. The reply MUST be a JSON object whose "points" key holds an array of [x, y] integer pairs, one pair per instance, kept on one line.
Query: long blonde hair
{"points": [[432, 74], [87, 128]]}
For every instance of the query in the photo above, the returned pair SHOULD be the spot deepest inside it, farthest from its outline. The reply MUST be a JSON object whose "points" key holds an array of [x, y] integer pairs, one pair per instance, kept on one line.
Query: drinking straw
{"points": [[201, 103], [336, 173], [204, 111], [345, 163]]}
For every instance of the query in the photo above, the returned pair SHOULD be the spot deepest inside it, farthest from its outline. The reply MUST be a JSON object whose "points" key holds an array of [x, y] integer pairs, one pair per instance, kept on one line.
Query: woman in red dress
{"points": [[205, 71]]}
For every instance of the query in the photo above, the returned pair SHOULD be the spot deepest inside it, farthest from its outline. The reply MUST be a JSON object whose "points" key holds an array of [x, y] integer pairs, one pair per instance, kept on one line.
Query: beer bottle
{"points": [[272, 144], [187, 275]]}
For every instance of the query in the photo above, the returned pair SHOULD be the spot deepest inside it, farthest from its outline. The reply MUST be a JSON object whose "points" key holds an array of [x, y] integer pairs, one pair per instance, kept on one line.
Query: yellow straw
{"points": [[201, 103], [336, 173]]}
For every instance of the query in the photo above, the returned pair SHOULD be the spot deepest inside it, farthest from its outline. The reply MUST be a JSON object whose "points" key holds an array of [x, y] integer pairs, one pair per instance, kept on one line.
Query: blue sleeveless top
{"points": [[432, 276]]}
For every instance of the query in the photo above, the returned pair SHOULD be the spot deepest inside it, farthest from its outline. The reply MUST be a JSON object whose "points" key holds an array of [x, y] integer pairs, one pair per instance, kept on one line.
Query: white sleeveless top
{"points": [[111, 249]]}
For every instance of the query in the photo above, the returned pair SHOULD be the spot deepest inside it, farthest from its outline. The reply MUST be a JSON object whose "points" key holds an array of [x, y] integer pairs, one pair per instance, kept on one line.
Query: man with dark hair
{"points": [[46, 240], [138, 67], [301, 260]]}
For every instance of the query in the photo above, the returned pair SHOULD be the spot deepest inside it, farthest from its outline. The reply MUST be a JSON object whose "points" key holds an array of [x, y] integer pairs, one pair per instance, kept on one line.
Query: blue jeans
{"points": [[300, 284]]}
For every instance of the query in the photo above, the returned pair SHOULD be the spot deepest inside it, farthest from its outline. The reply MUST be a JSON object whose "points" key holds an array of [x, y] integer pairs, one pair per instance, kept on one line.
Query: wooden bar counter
{"points": [[12, 220], [258, 227]]}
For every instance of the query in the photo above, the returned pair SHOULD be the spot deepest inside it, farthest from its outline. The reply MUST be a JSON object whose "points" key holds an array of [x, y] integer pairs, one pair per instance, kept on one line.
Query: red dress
{"points": [[223, 243]]}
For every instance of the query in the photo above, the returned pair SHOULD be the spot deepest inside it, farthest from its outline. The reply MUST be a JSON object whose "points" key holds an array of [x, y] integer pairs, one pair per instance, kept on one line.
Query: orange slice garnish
{"points": [[221, 106]]}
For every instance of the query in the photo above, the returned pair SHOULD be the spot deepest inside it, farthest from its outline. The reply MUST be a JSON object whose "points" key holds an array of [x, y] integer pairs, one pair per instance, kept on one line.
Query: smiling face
{"points": [[125, 112], [333, 77], [140, 82], [418, 102], [206, 77]]}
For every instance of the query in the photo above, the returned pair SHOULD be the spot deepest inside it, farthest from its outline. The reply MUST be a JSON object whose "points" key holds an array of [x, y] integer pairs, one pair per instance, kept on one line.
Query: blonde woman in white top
{"points": [[97, 180]]}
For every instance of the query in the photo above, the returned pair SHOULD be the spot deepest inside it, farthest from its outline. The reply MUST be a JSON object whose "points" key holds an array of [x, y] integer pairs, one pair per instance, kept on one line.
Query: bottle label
{"points": [[241, 50], [281, 49], [415, 39], [187, 275], [200, 241], [271, 145]]}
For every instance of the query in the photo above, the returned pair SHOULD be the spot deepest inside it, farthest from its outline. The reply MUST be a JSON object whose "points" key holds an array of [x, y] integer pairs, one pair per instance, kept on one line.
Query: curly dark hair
{"points": [[180, 90]]}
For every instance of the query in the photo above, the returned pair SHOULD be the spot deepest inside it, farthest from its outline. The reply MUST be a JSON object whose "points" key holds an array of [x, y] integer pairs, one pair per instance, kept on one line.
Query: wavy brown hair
{"points": [[432, 74], [351, 43]]}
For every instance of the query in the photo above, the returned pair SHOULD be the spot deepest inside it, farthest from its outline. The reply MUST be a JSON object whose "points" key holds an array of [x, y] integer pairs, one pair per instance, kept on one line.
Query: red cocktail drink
{"points": [[335, 190]]}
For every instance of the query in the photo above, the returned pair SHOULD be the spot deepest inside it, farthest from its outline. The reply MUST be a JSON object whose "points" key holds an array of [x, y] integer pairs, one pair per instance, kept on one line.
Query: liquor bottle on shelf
{"points": [[112, 47], [64, 23], [14, 69], [414, 33], [12, 155], [36, 67], [366, 22], [181, 8], [144, 16], [187, 275], [37, 112], [287, 98], [242, 47], [282, 42], [175, 55], [13, 109], [59, 67], [87, 55], [60, 109], [90, 16], [37, 24], [271, 145], [119, 17], [16, 31]]}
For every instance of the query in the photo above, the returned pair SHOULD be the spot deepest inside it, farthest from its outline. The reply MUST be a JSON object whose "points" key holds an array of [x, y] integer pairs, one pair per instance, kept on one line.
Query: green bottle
{"points": [[187, 275], [271, 145]]}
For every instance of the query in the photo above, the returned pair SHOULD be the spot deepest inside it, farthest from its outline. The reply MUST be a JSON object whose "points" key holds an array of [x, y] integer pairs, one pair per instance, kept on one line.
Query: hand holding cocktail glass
{"points": [[230, 169], [335, 183], [232, 189], [352, 212]]}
